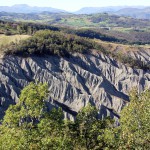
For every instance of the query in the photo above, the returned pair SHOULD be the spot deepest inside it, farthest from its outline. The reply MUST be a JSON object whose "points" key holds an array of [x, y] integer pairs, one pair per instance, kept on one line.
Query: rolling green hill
{"points": [[77, 21], [126, 34]]}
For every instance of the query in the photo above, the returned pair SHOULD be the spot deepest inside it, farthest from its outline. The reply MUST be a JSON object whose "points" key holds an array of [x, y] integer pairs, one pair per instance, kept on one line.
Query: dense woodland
{"points": [[31, 125], [48, 42], [93, 34]]}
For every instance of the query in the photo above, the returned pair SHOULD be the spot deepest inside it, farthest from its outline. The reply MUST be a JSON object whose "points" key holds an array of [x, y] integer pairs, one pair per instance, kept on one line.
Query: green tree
{"points": [[19, 126], [135, 122], [53, 131], [89, 132], [28, 124]]}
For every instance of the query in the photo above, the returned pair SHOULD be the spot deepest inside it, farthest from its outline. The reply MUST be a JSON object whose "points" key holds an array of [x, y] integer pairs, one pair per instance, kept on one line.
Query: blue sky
{"points": [[73, 5]]}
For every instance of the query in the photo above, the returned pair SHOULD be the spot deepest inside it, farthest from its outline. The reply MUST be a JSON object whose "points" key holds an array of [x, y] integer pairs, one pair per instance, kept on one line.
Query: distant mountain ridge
{"points": [[23, 8], [93, 10], [135, 12], [139, 12]]}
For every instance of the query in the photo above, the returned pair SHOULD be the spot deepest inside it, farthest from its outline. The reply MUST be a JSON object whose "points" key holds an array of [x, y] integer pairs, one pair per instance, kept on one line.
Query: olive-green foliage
{"points": [[52, 131], [57, 41], [19, 126], [95, 34], [11, 28], [135, 122], [51, 43], [28, 125], [89, 132]]}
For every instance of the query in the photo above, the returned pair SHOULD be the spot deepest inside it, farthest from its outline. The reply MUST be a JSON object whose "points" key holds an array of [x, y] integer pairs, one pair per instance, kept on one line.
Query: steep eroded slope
{"points": [[73, 82]]}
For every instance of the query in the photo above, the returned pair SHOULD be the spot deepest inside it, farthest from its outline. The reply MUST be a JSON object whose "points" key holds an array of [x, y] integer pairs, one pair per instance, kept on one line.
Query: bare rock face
{"points": [[73, 82]]}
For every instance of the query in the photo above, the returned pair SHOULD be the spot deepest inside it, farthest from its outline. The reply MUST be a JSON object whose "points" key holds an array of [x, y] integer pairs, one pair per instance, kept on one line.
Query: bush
{"points": [[47, 42], [8, 33]]}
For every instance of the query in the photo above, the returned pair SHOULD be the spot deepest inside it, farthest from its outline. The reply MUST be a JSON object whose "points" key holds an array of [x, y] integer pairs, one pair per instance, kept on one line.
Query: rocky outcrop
{"points": [[73, 82]]}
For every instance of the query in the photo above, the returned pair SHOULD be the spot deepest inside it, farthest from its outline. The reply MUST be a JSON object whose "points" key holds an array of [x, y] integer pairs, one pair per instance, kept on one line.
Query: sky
{"points": [[73, 5]]}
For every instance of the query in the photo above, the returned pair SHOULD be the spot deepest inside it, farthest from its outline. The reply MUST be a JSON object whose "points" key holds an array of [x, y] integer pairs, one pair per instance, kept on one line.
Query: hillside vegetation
{"points": [[31, 125], [67, 19], [138, 34], [116, 35], [52, 43], [12, 28], [63, 41], [49, 42]]}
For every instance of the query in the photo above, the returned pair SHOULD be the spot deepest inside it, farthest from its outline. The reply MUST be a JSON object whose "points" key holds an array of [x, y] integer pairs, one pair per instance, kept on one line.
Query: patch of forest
{"points": [[11, 27], [47, 42], [30, 124]]}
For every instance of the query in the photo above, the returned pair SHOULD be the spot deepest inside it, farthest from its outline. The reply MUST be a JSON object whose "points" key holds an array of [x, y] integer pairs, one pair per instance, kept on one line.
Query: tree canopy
{"points": [[135, 121], [49, 42], [29, 125]]}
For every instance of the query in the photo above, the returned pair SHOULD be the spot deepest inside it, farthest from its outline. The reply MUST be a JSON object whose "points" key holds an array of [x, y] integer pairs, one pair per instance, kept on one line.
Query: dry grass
{"points": [[4, 40], [121, 47]]}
